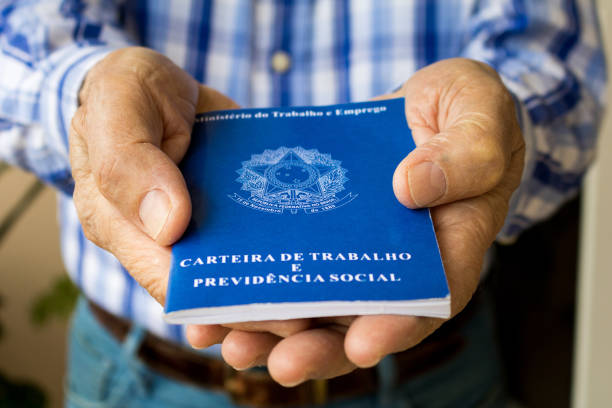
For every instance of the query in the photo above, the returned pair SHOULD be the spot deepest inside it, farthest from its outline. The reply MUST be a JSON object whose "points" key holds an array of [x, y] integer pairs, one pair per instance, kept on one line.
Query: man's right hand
{"points": [[132, 128]]}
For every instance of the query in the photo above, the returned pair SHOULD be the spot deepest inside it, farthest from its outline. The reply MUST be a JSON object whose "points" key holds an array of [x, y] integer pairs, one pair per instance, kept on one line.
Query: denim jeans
{"points": [[105, 373]]}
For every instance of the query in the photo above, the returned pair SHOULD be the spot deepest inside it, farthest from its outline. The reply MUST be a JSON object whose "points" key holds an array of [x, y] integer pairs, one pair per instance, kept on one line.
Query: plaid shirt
{"points": [[548, 53]]}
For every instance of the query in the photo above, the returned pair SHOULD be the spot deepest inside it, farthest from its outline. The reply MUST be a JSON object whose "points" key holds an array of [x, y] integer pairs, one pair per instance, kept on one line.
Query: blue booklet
{"points": [[294, 216]]}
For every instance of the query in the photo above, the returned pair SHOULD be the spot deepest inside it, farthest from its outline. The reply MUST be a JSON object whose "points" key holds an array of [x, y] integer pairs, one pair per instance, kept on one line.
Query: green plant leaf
{"points": [[59, 301]]}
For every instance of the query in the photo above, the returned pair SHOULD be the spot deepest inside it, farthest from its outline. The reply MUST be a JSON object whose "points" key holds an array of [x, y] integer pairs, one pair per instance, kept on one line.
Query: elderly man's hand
{"points": [[467, 163], [133, 126]]}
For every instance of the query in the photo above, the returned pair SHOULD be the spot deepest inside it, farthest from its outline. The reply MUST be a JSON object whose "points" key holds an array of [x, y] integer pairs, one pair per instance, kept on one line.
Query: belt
{"points": [[256, 388]]}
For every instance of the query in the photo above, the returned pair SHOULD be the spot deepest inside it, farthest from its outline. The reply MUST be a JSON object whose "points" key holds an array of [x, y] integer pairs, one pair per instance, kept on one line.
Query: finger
{"points": [[281, 328], [370, 338], [123, 138], [202, 336], [311, 354], [244, 350]]}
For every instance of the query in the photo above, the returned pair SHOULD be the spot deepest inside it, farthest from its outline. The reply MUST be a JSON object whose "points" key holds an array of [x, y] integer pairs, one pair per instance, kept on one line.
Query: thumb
{"points": [[454, 164], [464, 124]]}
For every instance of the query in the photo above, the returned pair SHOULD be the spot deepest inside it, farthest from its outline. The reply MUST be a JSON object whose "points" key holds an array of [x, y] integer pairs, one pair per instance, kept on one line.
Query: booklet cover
{"points": [[294, 216]]}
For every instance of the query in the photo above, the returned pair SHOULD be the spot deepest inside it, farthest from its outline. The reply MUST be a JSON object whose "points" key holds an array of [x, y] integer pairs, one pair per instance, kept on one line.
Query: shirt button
{"points": [[281, 62]]}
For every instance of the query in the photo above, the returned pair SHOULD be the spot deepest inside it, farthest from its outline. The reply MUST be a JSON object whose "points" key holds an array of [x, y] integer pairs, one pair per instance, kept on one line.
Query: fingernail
{"points": [[373, 361], [293, 383], [245, 366], [191, 333], [427, 183], [154, 212]]}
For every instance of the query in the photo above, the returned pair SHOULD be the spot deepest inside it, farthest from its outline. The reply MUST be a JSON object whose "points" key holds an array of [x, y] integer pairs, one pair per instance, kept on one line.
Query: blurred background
{"points": [[556, 340]]}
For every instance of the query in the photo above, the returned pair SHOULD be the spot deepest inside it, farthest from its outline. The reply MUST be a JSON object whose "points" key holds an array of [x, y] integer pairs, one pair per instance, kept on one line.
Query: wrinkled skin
{"points": [[133, 127]]}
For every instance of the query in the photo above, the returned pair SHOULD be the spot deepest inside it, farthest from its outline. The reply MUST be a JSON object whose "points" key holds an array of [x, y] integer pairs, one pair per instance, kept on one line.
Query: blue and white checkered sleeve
{"points": [[549, 55], [46, 49]]}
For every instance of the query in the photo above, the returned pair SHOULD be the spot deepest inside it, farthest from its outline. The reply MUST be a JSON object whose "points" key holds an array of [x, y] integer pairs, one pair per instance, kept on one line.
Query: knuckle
{"points": [[76, 172], [77, 148], [495, 159], [88, 216], [503, 98], [77, 124], [107, 174], [140, 269], [480, 228], [77, 167], [76, 130], [89, 232], [491, 160], [506, 98]]}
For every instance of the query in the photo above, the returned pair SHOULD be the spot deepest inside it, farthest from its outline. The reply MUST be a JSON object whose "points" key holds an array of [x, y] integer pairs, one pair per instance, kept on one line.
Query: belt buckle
{"points": [[253, 389], [319, 392], [234, 384], [247, 387]]}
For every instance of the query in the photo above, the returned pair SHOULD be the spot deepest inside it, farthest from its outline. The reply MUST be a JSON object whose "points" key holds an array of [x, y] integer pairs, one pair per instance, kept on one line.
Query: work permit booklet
{"points": [[294, 216]]}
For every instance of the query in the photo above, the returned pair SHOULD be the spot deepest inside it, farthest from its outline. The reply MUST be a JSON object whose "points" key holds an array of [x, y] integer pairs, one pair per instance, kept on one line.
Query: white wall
{"points": [[593, 359]]}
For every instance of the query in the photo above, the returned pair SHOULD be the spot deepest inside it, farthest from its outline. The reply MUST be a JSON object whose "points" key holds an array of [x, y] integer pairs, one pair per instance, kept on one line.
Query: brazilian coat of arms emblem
{"points": [[293, 179]]}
